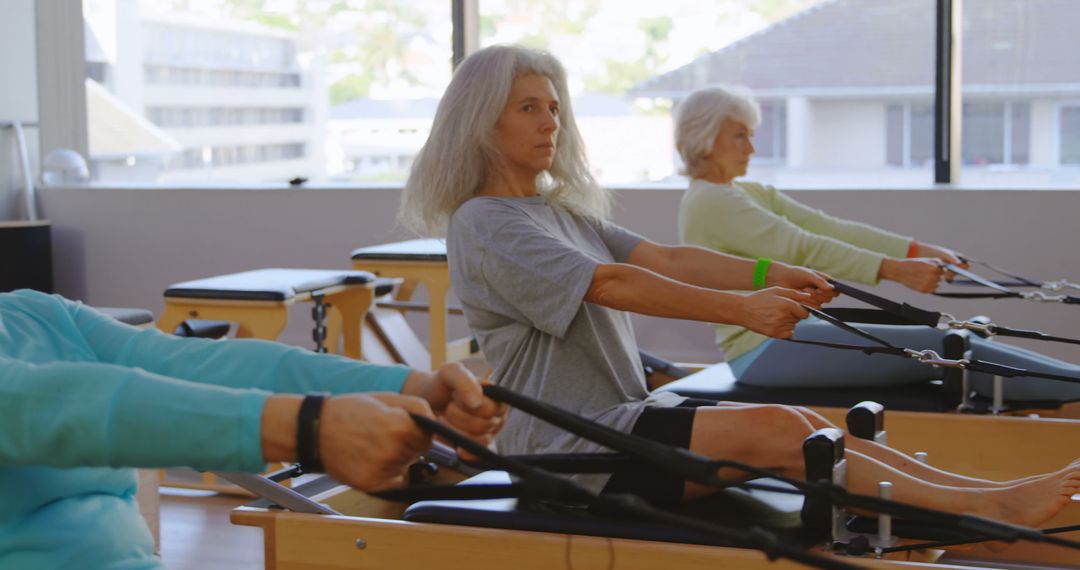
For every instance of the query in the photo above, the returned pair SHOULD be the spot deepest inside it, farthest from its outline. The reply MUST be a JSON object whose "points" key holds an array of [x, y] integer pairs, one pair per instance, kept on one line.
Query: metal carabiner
{"points": [[932, 358], [986, 329], [1059, 285], [1042, 297]]}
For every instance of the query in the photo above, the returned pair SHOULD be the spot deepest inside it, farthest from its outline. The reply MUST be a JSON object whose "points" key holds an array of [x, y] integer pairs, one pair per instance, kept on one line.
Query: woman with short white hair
{"points": [[714, 130], [546, 283]]}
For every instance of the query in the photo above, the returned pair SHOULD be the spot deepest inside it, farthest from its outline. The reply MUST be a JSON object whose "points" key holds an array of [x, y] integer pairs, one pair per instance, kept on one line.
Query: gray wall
{"points": [[124, 247]]}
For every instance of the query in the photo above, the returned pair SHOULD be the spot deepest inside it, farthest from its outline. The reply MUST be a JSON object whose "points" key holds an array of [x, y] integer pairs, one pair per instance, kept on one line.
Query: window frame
{"points": [[1059, 108], [64, 125]]}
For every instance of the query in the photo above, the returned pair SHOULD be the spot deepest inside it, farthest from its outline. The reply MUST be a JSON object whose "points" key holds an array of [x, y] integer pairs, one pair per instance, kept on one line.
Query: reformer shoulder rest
{"points": [[267, 284], [411, 250]]}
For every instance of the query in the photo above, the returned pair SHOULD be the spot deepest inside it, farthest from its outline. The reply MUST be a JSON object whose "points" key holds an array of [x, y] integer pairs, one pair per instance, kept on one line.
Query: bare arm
{"points": [[695, 265], [773, 311], [714, 270]]}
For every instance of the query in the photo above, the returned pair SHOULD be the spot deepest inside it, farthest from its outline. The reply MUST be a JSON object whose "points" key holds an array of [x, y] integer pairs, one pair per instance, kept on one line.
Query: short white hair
{"points": [[698, 119], [460, 153]]}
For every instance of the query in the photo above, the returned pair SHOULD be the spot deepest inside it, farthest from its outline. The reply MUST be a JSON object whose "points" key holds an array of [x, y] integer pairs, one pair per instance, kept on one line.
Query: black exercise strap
{"points": [[931, 319], [1002, 292], [1019, 280], [948, 543], [691, 466], [903, 310], [539, 483]]}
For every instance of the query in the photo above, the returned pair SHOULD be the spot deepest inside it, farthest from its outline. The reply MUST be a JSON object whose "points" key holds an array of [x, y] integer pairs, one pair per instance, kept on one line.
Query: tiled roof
{"points": [[866, 45]]}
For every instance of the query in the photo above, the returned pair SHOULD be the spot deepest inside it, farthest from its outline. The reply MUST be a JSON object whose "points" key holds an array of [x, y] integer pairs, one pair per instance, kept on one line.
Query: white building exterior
{"points": [[235, 96]]}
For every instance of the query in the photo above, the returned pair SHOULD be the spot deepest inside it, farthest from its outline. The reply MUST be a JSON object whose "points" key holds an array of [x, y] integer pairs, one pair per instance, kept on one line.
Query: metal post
{"points": [[947, 93]]}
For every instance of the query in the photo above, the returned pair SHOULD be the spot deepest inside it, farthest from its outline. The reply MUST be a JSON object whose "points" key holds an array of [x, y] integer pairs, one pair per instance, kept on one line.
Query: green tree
{"points": [[350, 87], [776, 10], [621, 74], [375, 50]]}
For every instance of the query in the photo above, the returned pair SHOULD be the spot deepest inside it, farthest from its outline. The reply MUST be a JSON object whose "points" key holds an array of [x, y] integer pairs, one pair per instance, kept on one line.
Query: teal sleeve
{"points": [[855, 233], [733, 223], [81, 414], [240, 363]]}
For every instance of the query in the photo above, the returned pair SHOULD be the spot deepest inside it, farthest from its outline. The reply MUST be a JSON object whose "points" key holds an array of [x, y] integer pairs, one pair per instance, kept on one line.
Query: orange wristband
{"points": [[913, 249]]}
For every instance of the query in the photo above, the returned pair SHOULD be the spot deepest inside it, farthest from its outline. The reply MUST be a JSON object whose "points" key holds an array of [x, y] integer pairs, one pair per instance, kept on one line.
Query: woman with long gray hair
{"points": [[547, 281]]}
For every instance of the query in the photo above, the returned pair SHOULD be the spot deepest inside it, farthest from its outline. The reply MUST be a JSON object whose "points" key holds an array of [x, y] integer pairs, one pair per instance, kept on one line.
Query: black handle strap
{"points": [[1030, 334], [1021, 281], [885, 346], [979, 279], [903, 310], [917, 316]]}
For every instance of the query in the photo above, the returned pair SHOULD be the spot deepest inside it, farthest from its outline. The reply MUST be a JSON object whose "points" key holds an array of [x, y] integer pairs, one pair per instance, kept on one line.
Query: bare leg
{"points": [[902, 461], [1029, 503], [776, 443], [892, 457]]}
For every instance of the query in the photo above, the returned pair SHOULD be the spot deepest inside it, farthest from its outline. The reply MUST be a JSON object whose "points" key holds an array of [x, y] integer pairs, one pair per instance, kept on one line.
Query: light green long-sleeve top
{"points": [[83, 399], [753, 220]]}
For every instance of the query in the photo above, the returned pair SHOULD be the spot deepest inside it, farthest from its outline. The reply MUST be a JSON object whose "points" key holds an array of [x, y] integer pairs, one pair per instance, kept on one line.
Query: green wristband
{"points": [[760, 270]]}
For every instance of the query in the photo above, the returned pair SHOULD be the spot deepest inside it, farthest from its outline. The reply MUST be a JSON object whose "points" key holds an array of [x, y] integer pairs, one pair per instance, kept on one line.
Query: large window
{"points": [[823, 103], [221, 91], [1019, 80], [846, 88]]}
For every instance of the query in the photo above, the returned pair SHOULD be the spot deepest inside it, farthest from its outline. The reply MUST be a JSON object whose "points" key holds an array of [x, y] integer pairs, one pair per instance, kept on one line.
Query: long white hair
{"points": [[698, 120], [460, 153]]}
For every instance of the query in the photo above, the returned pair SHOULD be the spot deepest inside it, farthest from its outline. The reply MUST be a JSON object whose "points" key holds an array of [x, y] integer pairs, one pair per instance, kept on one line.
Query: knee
{"points": [[778, 439], [817, 421], [785, 423]]}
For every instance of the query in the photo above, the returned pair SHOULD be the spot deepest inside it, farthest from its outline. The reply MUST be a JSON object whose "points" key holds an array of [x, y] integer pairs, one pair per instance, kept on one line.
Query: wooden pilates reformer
{"points": [[414, 263], [259, 301], [366, 532]]}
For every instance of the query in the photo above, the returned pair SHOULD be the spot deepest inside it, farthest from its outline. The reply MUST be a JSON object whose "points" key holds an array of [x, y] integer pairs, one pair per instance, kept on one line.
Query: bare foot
{"points": [[1033, 501], [1074, 465]]}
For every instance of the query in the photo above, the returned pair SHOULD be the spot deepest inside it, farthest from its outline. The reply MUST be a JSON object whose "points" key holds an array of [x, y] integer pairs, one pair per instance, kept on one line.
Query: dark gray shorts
{"points": [[670, 426]]}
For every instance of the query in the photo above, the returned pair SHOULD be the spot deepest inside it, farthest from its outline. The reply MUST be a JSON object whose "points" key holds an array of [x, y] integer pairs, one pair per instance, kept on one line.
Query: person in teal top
{"points": [[714, 128], [85, 399]]}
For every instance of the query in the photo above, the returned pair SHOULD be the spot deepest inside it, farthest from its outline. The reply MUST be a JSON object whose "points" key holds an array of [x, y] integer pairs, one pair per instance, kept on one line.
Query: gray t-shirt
{"points": [[521, 269]]}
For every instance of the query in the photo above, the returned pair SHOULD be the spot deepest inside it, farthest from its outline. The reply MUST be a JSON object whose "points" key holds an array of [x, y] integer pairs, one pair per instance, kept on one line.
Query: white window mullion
{"points": [[472, 26], [905, 149], [1006, 154]]}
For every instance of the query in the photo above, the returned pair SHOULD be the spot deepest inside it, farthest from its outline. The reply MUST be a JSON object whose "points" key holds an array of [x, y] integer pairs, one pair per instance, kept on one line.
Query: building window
{"points": [[909, 134], [180, 117], [770, 138], [216, 157], [1070, 135], [994, 133]]}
